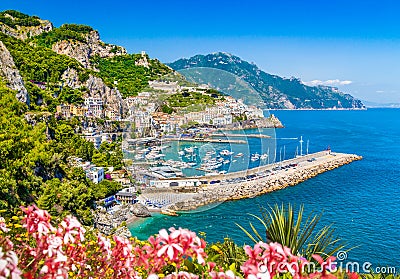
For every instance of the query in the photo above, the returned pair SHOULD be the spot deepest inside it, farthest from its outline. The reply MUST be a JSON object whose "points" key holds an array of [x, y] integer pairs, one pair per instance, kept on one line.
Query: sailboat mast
{"points": [[301, 146], [284, 152]]}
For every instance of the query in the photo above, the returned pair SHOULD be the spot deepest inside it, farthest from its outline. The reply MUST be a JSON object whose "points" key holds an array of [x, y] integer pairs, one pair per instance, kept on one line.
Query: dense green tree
{"points": [[106, 188], [20, 149], [33, 162]]}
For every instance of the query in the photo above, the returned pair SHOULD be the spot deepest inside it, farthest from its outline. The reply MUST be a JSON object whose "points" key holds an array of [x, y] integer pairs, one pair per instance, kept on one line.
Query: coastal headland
{"points": [[256, 181]]}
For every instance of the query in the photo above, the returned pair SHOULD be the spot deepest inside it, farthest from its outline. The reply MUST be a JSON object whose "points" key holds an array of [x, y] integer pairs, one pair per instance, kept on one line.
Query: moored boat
{"points": [[169, 212]]}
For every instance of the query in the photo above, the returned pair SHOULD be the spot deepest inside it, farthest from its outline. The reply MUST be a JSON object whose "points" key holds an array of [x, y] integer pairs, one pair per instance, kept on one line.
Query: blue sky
{"points": [[352, 44]]}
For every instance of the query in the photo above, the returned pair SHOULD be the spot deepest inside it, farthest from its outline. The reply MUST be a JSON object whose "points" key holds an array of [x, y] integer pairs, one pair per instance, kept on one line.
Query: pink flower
{"points": [[325, 265], [223, 275], [9, 265], [54, 245], [267, 260], [3, 226], [72, 230], [180, 244], [170, 247], [37, 221], [181, 275]]}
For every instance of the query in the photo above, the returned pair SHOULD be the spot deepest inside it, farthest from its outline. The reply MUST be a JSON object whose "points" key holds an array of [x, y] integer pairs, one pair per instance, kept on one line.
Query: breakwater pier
{"points": [[261, 180], [183, 139], [260, 136]]}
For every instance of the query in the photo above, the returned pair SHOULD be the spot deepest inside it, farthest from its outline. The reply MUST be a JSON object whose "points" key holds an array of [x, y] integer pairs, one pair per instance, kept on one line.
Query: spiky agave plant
{"points": [[282, 226], [227, 254]]}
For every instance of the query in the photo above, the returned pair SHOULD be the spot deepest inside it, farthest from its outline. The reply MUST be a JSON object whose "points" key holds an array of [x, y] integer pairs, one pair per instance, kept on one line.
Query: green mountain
{"points": [[49, 66], [221, 70]]}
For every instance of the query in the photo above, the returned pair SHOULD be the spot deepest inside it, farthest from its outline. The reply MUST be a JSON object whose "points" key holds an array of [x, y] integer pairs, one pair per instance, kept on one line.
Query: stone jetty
{"points": [[272, 180]]}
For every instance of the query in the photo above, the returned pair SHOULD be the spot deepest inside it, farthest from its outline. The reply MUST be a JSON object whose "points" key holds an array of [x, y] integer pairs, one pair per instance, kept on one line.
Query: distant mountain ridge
{"points": [[369, 104], [275, 91]]}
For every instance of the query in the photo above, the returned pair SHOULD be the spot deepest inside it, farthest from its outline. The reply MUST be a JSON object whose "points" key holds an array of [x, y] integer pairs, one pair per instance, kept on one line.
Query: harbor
{"points": [[246, 184], [185, 175]]}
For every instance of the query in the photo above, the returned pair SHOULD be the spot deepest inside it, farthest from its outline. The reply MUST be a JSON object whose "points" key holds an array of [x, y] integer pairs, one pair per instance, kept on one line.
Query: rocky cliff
{"points": [[111, 97], [10, 74], [96, 88], [108, 223], [84, 50]]}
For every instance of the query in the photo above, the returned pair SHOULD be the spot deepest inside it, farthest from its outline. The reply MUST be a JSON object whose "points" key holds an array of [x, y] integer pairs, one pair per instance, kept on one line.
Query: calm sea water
{"points": [[361, 199]]}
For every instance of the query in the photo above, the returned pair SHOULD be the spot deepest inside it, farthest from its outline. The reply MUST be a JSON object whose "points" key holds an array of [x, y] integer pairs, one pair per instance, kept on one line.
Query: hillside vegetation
{"points": [[75, 32], [123, 72], [34, 145], [13, 19], [39, 64], [33, 162]]}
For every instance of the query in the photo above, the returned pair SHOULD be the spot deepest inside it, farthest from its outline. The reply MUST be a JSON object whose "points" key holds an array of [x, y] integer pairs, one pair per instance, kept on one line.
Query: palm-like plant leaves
{"points": [[282, 226]]}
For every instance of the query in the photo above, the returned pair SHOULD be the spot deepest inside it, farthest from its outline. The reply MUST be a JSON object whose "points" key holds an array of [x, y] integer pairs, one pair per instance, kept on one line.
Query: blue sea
{"points": [[361, 200]]}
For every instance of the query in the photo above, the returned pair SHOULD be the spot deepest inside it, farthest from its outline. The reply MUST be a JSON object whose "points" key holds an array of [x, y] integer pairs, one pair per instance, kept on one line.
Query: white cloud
{"points": [[380, 91], [329, 82]]}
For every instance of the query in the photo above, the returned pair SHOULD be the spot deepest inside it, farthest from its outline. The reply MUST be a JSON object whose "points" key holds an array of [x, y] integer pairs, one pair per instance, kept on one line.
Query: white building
{"points": [[94, 106], [96, 174], [222, 120], [92, 136], [165, 183], [142, 120], [254, 112]]}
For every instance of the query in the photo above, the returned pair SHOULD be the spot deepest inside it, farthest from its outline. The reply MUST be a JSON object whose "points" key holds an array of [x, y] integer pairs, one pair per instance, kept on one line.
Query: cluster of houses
{"points": [[145, 114], [148, 119], [97, 174], [92, 107]]}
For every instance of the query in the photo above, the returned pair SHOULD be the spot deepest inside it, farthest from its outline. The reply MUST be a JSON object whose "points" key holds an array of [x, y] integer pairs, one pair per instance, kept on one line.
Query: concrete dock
{"points": [[207, 140], [260, 136]]}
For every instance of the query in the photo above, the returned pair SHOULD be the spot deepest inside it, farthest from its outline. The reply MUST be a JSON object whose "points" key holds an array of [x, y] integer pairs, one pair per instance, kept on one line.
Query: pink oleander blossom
{"points": [[170, 247], [267, 260], [54, 246], [37, 221], [9, 265], [181, 275], [326, 265], [43, 251], [180, 243], [72, 230], [223, 275]]}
